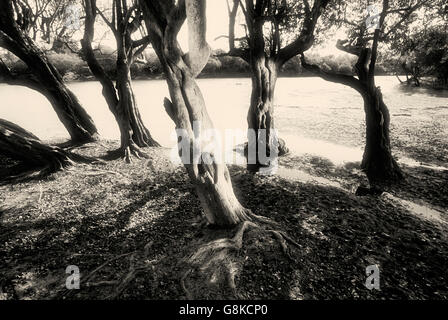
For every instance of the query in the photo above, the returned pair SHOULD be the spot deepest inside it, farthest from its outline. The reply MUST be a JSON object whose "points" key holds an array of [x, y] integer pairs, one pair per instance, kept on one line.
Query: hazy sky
{"points": [[217, 25]]}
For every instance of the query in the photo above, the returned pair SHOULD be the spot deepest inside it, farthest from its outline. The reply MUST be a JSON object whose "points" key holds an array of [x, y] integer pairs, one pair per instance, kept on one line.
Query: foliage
{"points": [[65, 62], [428, 50], [233, 64]]}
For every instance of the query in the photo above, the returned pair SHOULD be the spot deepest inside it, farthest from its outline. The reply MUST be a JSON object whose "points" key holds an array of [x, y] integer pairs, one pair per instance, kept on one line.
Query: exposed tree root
{"points": [[126, 153], [212, 268]]}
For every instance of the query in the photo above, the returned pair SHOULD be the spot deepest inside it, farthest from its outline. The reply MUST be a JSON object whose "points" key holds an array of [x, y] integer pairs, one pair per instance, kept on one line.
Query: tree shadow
{"points": [[424, 184], [136, 248], [342, 234]]}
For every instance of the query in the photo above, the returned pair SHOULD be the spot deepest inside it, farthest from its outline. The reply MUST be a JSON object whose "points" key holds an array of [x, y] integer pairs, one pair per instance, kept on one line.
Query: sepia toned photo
{"points": [[225, 150]]}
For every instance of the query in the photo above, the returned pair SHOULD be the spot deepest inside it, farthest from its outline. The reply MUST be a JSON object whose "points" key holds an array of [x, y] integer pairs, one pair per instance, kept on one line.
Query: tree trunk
{"points": [[19, 144], [212, 181], [132, 130], [378, 163], [232, 19], [260, 117], [78, 123], [208, 171], [119, 98]]}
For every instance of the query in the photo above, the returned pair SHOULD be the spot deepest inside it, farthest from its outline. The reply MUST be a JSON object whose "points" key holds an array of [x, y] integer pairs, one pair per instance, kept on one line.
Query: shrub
{"points": [[233, 64], [65, 62], [213, 65], [153, 65]]}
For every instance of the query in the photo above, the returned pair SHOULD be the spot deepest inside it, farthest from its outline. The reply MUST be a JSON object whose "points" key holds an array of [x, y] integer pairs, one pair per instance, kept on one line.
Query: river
{"points": [[312, 115]]}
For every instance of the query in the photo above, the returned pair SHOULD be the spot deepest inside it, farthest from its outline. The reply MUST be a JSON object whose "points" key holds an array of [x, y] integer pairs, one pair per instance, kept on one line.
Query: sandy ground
{"points": [[130, 227]]}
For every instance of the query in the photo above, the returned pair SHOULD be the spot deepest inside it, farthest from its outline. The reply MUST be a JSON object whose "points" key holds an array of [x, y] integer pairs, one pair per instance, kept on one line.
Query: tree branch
{"points": [[306, 38], [199, 50], [332, 76]]}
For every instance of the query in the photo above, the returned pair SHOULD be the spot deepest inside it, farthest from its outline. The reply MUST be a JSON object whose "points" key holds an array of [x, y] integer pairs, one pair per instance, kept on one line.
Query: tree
{"points": [[209, 175], [46, 20], [120, 98], [425, 53], [21, 145], [378, 162], [268, 23], [44, 77], [419, 47], [187, 107]]}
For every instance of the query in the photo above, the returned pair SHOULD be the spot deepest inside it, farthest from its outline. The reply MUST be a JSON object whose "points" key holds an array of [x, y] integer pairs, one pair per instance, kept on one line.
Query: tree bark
{"points": [[73, 116], [261, 114], [378, 163], [265, 64], [208, 172], [133, 132], [19, 144], [233, 10]]}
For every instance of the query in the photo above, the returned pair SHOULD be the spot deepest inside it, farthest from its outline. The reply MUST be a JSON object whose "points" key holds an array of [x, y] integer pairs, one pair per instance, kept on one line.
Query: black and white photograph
{"points": [[223, 150]]}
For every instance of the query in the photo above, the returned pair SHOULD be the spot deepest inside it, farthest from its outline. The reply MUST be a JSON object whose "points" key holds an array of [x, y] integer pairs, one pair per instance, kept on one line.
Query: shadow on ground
{"points": [[130, 229]]}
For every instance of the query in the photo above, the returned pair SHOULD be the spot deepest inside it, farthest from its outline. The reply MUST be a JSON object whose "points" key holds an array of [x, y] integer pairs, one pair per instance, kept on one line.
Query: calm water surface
{"points": [[312, 115]]}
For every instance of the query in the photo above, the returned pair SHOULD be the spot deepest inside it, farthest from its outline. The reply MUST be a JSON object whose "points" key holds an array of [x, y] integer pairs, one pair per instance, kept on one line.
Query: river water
{"points": [[312, 115]]}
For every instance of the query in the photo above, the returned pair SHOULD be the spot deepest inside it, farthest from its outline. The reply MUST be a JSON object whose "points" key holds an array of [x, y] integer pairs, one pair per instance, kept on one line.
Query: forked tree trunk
{"points": [[19, 144], [120, 98], [212, 181], [261, 115], [78, 123], [187, 109], [377, 162]]}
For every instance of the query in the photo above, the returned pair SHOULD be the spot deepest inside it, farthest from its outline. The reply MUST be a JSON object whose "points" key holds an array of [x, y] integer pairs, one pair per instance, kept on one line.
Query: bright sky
{"points": [[217, 25]]}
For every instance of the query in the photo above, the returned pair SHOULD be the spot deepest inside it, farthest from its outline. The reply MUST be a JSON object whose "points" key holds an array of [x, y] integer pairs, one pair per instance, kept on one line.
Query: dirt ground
{"points": [[131, 227]]}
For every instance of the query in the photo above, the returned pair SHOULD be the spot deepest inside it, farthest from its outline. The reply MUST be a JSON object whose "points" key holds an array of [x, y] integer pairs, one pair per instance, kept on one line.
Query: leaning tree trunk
{"points": [[260, 117], [19, 144], [378, 163], [78, 123]]}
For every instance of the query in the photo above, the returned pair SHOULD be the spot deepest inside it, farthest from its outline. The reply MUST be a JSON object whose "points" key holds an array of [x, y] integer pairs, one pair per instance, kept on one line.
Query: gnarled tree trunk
{"points": [[120, 98], [208, 172], [133, 132], [78, 123], [377, 161], [266, 56], [19, 144], [261, 116]]}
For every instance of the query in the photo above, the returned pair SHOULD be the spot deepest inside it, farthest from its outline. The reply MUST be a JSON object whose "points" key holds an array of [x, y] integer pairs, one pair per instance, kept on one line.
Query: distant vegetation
{"points": [[73, 68]]}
